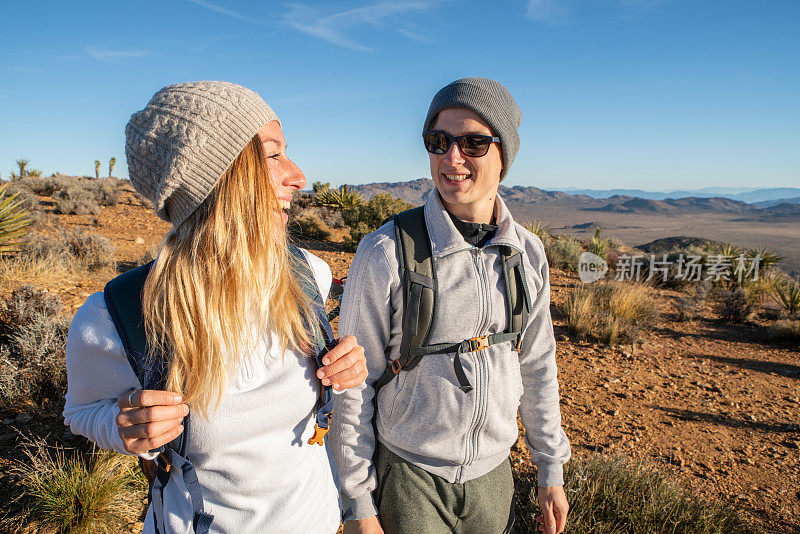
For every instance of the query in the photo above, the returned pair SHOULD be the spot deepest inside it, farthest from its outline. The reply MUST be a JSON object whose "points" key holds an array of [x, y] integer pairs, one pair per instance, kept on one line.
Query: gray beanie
{"points": [[183, 141], [489, 99]]}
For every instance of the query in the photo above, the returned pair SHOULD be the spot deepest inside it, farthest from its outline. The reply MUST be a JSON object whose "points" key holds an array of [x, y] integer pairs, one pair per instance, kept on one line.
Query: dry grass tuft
{"points": [[615, 312], [66, 491], [614, 494], [23, 269]]}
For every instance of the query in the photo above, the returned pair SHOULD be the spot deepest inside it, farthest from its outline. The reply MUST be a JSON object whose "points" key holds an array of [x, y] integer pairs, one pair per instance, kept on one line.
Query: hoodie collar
{"points": [[445, 237]]}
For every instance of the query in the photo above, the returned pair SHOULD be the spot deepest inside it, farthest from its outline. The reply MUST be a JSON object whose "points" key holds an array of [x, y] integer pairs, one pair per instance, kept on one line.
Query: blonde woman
{"points": [[224, 302]]}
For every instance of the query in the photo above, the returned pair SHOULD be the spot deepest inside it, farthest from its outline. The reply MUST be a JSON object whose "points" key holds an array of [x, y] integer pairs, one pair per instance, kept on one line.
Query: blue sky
{"points": [[653, 94]]}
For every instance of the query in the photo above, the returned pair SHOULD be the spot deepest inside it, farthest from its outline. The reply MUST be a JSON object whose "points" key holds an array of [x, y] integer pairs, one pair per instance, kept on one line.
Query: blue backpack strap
{"points": [[123, 298], [201, 520], [322, 335]]}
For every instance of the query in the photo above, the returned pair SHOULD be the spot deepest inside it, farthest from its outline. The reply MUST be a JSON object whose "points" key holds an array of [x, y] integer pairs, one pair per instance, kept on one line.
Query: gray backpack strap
{"points": [[518, 299], [418, 275]]}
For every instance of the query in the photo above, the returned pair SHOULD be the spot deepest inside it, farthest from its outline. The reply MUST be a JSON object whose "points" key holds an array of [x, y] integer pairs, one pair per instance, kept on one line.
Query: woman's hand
{"points": [[149, 419], [345, 365], [370, 525], [554, 507]]}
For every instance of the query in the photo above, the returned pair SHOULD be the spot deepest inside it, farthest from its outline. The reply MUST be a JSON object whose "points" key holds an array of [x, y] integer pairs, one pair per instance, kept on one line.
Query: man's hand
{"points": [[553, 503], [370, 525], [149, 419], [345, 365]]}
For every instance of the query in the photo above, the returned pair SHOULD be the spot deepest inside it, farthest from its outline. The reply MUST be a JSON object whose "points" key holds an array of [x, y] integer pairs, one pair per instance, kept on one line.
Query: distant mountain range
{"points": [[775, 194], [761, 204]]}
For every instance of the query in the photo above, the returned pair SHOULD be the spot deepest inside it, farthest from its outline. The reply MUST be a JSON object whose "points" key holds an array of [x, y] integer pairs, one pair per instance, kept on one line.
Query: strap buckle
{"points": [[162, 462], [319, 435], [478, 343], [396, 366]]}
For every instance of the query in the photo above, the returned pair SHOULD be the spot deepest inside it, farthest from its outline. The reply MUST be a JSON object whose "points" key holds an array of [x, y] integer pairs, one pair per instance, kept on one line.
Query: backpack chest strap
{"points": [[474, 344]]}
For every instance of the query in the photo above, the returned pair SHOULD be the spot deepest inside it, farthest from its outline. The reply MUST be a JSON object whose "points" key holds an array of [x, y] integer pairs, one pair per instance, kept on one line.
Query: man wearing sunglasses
{"points": [[426, 450]]}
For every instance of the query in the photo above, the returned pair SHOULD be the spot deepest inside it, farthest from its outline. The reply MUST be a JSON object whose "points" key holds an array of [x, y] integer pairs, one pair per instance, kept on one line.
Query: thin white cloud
{"points": [[546, 10], [228, 12], [553, 11], [106, 55], [333, 27]]}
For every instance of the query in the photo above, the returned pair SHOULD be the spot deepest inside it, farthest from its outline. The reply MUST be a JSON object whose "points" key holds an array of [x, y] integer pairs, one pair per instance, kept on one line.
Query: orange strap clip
{"points": [[479, 343], [319, 435]]}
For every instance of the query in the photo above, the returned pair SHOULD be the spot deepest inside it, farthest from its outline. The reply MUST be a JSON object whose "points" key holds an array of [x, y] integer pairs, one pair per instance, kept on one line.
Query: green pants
{"points": [[411, 500]]}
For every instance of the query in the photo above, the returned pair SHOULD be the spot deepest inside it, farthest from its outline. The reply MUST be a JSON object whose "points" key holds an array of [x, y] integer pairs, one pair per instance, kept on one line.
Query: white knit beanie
{"points": [[183, 141]]}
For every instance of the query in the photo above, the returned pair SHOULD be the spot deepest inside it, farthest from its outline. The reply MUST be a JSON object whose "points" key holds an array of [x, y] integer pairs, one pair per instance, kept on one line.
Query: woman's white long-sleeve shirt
{"points": [[256, 469]]}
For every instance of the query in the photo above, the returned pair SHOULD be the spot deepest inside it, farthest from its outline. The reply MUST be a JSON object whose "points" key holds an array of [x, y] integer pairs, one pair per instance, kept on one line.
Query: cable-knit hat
{"points": [[183, 141], [489, 99]]}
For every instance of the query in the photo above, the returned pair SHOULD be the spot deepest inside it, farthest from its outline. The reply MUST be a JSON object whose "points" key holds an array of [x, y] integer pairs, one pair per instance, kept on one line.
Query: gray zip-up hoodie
{"points": [[422, 415]]}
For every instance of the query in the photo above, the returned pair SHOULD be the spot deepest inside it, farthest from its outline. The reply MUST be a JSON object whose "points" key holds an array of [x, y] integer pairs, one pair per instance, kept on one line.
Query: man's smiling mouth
{"points": [[456, 177]]}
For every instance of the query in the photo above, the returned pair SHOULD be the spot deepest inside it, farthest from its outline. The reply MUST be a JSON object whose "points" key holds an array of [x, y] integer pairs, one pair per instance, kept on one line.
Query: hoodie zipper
{"points": [[479, 415]]}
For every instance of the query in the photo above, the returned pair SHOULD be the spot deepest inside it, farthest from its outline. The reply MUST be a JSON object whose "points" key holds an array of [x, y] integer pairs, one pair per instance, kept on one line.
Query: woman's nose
{"points": [[295, 178]]}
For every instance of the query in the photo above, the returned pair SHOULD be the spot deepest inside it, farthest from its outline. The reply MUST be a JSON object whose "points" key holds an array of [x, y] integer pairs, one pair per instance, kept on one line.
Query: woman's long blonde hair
{"points": [[222, 271]]}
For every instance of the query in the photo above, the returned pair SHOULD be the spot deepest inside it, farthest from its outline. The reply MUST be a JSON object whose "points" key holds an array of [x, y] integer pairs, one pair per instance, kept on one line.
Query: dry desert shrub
{"points": [[76, 250], [563, 252], [33, 338], [783, 330], [365, 217], [76, 200], [735, 306], [64, 490], [614, 312], [309, 225], [614, 494], [74, 194]]}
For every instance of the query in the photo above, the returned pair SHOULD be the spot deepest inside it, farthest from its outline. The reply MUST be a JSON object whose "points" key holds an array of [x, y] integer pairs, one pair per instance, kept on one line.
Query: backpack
{"points": [[123, 299], [418, 275]]}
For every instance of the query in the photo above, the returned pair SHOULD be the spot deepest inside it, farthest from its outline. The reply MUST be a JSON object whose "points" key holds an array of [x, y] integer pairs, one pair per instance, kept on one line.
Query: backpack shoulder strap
{"points": [[123, 298], [518, 299], [418, 275], [322, 335]]}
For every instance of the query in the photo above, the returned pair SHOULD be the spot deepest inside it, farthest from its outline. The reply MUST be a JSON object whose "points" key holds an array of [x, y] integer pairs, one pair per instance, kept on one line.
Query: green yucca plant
{"points": [[342, 198], [728, 249], [539, 229], [13, 220], [786, 292], [768, 257], [599, 245]]}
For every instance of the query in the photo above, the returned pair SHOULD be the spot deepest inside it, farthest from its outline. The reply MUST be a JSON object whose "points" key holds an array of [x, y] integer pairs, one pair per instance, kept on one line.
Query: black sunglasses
{"points": [[472, 145]]}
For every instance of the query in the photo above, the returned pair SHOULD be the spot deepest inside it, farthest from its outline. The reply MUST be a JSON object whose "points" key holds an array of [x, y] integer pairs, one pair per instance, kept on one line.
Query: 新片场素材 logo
{"points": [[591, 267]]}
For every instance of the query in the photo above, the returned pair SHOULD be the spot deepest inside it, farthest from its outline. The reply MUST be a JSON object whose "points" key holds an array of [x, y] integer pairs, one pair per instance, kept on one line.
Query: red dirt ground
{"points": [[710, 401]]}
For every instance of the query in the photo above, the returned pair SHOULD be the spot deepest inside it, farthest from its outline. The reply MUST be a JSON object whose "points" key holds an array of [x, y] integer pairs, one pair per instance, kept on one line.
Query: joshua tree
{"points": [[97, 168], [111, 163], [23, 171]]}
